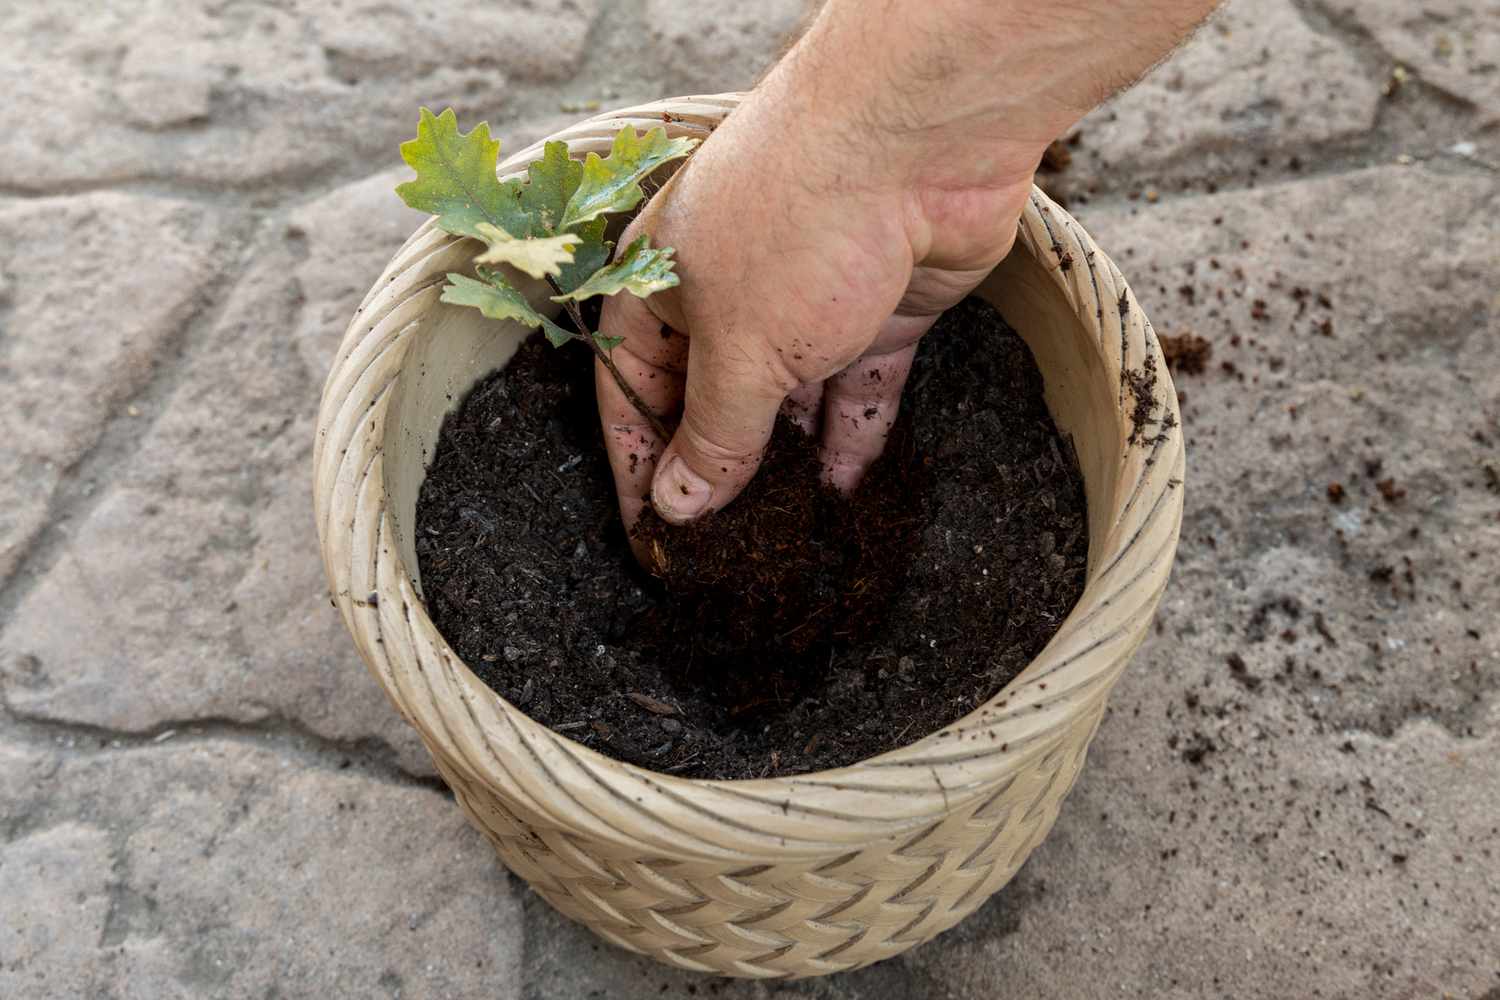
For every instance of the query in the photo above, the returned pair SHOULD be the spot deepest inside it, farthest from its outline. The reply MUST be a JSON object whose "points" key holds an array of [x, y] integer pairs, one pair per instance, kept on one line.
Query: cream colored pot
{"points": [[792, 876]]}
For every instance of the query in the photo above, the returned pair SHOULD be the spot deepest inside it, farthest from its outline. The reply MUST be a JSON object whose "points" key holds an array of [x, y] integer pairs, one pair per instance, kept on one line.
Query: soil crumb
{"points": [[1186, 353], [1056, 159]]}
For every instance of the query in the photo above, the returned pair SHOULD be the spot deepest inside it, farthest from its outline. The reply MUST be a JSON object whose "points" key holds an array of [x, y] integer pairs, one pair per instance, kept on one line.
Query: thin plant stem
{"points": [[608, 362]]}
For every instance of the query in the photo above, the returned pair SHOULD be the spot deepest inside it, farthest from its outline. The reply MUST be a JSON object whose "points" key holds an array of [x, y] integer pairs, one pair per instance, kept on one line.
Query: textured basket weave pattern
{"points": [[777, 877]]}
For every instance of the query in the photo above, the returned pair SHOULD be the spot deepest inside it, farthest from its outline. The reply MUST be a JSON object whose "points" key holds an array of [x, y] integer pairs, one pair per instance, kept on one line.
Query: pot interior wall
{"points": [[455, 347], [1081, 395]]}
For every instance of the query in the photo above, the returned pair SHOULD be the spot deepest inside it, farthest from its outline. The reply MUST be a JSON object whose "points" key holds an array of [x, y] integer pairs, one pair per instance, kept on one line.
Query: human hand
{"points": [[819, 233], [801, 287]]}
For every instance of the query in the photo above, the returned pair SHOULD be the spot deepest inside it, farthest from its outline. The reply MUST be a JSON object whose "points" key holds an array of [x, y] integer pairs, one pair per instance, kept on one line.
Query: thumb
{"points": [[729, 410]]}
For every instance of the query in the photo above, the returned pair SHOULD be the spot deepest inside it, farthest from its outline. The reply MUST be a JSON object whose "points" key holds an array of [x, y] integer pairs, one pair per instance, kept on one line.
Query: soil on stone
{"points": [[802, 630], [1056, 159], [1186, 353]]}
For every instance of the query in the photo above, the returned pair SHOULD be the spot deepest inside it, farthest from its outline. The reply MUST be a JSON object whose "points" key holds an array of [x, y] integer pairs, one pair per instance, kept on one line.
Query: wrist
{"points": [[968, 93]]}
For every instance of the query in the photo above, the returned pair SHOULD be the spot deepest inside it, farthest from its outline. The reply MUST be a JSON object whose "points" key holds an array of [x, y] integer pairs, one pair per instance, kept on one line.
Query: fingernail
{"points": [[680, 494]]}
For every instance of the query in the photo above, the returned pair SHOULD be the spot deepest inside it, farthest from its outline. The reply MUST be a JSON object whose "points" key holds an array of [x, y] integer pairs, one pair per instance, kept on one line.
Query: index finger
{"points": [[650, 360]]}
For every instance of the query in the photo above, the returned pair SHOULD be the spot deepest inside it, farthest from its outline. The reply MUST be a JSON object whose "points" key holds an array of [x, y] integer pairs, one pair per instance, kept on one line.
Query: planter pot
{"points": [[781, 877]]}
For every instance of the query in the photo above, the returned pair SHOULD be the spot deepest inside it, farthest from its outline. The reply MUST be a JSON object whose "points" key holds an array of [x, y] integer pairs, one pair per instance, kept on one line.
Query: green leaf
{"points": [[608, 343], [640, 270], [613, 184], [495, 297], [556, 335], [539, 256], [551, 181], [588, 256], [456, 177]]}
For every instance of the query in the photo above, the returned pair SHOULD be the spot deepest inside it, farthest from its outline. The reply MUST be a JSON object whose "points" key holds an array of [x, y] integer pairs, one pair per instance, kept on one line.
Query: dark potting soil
{"points": [[798, 630]]}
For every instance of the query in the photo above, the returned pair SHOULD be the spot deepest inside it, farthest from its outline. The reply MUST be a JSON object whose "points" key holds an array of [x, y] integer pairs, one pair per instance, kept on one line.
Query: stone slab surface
{"points": [[204, 866], [1296, 792], [64, 346]]}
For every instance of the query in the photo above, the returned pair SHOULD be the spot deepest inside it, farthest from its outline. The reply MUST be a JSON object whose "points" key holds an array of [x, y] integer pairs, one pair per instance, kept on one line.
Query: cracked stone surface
{"points": [[1450, 44], [1255, 79], [42, 244], [1297, 789], [230, 95], [209, 867]]}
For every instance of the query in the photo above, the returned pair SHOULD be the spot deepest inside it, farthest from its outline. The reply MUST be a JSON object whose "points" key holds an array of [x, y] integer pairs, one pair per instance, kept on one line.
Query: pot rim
{"points": [[545, 774]]}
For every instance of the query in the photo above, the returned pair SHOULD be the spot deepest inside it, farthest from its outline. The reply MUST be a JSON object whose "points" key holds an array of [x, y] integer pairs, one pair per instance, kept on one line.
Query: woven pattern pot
{"points": [[790, 876]]}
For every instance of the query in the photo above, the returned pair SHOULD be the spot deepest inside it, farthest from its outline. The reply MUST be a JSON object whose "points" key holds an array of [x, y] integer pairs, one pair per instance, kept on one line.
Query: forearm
{"points": [[968, 92]]}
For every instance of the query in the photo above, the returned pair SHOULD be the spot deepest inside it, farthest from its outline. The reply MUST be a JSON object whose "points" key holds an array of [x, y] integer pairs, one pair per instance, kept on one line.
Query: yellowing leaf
{"points": [[613, 184], [640, 270], [495, 297], [539, 256], [456, 177]]}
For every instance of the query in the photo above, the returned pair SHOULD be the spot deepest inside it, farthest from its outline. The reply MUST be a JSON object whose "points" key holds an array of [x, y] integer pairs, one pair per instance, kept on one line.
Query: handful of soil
{"points": [[793, 563]]}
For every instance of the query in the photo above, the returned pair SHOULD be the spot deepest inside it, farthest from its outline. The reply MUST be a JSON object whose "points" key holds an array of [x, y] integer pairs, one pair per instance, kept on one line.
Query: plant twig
{"points": [[635, 399]]}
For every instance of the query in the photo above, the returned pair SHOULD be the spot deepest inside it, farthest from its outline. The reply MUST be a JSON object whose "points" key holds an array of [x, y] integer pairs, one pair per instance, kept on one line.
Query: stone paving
{"points": [[1296, 793]]}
